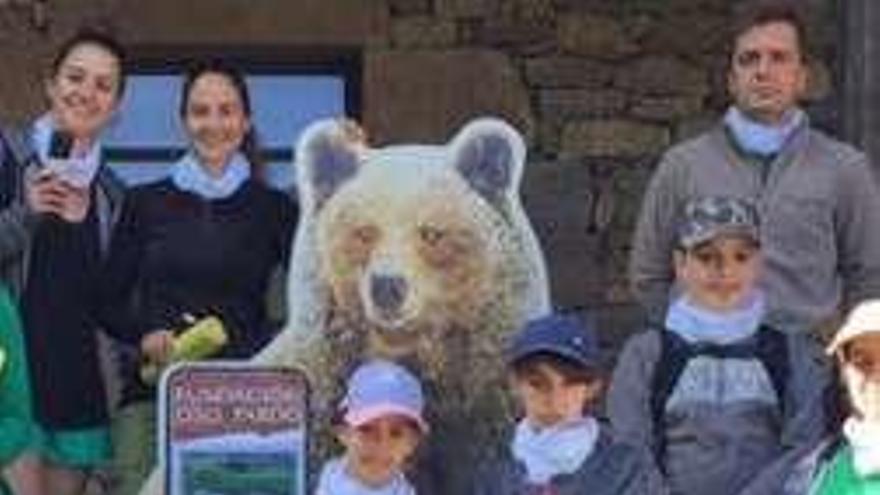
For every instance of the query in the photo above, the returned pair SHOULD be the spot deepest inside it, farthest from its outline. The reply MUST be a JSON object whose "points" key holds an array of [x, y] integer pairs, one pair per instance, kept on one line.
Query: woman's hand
{"points": [[75, 204], [46, 193], [157, 346]]}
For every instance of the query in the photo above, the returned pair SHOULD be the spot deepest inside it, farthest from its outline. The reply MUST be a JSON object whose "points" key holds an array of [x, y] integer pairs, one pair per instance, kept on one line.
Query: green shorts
{"points": [[82, 448]]}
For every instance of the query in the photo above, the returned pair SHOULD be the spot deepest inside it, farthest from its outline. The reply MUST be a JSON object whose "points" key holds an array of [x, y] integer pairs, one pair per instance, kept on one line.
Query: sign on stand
{"points": [[233, 429]]}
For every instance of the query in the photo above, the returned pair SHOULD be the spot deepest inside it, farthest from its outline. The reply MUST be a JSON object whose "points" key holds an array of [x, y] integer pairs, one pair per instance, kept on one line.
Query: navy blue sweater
{"points": [[174, 252], [612, 469]]}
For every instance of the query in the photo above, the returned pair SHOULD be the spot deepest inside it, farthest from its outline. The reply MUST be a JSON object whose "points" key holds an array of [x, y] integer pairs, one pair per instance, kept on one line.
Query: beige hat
{"points": [[863, 319]]}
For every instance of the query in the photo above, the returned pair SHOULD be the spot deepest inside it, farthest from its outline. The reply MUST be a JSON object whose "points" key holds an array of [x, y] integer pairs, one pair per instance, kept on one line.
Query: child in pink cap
{"points": [[381, 428]]}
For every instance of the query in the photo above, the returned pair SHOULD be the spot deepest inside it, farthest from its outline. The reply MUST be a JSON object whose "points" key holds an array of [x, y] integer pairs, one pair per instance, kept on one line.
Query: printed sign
{"points": [[233, 429]]}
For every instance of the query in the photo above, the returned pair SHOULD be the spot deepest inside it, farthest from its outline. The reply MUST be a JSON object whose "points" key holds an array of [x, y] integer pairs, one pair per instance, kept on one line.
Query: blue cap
{"points": [[561, 335], [380, 388]]}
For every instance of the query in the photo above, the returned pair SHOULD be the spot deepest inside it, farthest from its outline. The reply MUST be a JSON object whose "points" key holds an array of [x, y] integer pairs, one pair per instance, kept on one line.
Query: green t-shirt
{"points": [[16, 420], [841, 479]]}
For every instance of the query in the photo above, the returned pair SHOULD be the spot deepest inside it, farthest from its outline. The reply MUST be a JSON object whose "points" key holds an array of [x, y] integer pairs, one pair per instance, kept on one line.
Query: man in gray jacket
{"points": [[817, 198]]}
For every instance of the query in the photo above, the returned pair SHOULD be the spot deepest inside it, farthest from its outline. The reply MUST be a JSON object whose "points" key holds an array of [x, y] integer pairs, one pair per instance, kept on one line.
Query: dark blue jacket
{"points": [[613, 468]]}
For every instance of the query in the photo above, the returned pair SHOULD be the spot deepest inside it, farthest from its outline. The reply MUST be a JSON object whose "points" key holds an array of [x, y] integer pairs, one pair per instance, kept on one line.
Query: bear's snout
{"points": [[388, 293]]}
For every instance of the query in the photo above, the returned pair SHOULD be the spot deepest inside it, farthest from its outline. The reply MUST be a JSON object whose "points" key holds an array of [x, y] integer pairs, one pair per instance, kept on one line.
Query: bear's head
{"points": [[408, 241]]}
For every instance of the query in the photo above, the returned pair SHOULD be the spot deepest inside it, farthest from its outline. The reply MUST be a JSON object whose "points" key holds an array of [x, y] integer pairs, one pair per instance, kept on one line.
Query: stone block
{"points": [[466, 8], [409, 7], [516, 34], [594, 36], [612, 138], [662, 75], [530, 12], [423, 32], [548, 138], [236, 23], [688, 36], [567, 72], [425, 96], [665, 108], [575, 103]]}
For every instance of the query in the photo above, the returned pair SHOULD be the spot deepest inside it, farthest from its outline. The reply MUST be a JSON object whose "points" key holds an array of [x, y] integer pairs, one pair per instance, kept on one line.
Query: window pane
{"points": [[147, 135]]}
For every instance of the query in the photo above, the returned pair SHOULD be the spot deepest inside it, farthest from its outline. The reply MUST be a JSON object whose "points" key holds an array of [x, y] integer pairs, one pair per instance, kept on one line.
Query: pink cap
{"points": [[382, 388]]}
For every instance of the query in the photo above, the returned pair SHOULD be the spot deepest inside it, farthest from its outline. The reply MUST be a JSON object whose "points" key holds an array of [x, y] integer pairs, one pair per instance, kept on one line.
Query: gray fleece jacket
{"points": [[722, 423], [820, 212]]}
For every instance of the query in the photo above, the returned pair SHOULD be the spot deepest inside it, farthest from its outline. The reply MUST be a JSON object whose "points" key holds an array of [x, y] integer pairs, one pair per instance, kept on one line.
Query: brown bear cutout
{"points": [[423, 255]]}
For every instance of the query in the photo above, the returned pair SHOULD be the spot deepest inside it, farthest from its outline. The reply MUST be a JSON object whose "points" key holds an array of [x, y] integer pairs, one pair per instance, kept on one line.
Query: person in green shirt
{"points": [[16, 420], [848, 461], [854, 467]]}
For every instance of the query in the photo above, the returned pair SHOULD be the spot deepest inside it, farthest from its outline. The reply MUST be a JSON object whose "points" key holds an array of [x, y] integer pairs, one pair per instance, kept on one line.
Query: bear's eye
{"points": [[365, 234], [431, 235]]}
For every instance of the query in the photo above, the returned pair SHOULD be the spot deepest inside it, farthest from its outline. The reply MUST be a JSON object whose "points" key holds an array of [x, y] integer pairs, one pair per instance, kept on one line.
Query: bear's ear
{"points": [[489, 154], [328, 153]]}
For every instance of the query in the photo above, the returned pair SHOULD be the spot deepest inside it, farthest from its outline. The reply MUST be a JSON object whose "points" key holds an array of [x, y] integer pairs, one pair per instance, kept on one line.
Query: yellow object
{"points": [[203, 339]]}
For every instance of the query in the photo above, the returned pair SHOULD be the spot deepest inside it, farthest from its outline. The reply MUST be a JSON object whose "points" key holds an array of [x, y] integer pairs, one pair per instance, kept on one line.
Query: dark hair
{"points": [[570, 369], [99, 38], [763, 12], [249, 144]]}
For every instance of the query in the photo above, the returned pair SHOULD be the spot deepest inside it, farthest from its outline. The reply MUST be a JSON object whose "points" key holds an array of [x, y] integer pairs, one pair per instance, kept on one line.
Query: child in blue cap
{"points": [[559, 447], [382, 425]]}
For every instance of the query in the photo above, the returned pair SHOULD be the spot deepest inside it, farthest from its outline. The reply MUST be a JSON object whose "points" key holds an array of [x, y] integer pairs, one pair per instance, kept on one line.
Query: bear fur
{"points": [[423, 255]]}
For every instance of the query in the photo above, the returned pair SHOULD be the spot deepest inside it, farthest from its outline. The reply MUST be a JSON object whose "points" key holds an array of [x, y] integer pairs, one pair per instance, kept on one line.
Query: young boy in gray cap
{"points": [[558, 447], [714, 392]]}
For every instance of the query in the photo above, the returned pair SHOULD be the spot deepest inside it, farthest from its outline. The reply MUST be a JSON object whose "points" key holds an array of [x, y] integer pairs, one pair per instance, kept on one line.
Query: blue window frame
{"points": [[287, 93]]}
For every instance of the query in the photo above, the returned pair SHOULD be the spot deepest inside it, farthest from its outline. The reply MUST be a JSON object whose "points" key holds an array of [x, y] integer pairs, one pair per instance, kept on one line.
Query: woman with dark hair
{"points": [[203, 242], [54, 230]]}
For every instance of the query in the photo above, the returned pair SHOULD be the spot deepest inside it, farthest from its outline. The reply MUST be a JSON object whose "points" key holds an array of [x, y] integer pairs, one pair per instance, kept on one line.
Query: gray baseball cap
{"points": [[709, 217]]}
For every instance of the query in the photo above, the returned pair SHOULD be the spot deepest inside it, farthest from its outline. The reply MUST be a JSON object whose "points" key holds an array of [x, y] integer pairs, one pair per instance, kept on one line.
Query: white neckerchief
{"points": [[336, 480], [762, 139], [864, 437], [559, 449], [189, 175], [696, 324], [77, 170]]}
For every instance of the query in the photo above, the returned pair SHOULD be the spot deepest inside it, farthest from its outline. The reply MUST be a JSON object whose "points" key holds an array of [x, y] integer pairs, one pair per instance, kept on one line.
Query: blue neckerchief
{"points": [[80, 169], [335, 480], [555, 450], [189, 175], [758, 138], [696, 324]]}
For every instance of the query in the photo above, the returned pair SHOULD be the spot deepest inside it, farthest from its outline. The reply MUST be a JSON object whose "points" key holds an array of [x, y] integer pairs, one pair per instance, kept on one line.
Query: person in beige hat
{"points": [[848, 461]]}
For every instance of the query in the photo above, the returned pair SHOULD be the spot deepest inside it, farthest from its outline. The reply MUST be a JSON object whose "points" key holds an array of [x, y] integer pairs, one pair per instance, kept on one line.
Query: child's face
{"points": [[377, 451], [861, 375], [549, 398], [719, 274]]}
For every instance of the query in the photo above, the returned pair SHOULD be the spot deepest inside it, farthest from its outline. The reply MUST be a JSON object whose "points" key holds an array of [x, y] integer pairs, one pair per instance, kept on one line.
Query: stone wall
{"points": [[600, 87]]}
